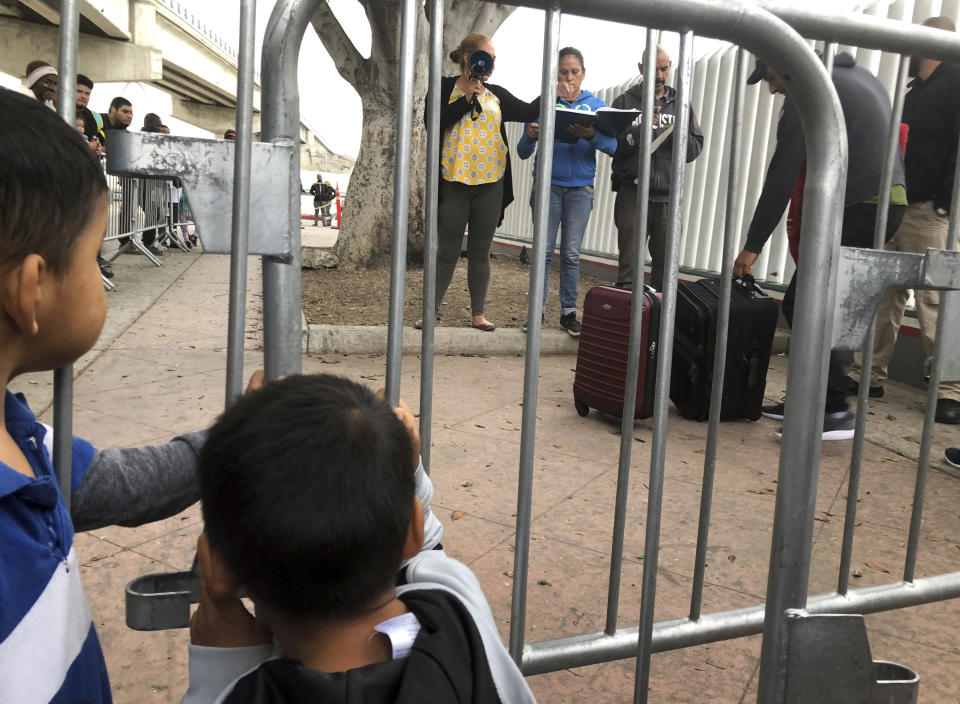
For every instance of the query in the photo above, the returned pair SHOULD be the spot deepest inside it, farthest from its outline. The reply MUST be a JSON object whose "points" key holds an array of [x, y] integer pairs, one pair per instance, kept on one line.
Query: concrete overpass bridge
{"points": [[159, 42]]}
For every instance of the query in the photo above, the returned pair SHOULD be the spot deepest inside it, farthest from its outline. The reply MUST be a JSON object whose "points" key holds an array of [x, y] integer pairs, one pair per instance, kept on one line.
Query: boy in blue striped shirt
{"points": [[53, 214]]}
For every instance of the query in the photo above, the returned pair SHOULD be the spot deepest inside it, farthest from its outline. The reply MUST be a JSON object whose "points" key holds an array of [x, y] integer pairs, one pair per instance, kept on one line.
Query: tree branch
{"points": [[345, 56], [489, 17], [385, 20], [462, 18]]}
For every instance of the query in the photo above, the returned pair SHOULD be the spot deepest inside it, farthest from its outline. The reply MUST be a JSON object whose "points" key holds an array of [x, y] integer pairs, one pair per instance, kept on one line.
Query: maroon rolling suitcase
{"points": [[601, 374]]}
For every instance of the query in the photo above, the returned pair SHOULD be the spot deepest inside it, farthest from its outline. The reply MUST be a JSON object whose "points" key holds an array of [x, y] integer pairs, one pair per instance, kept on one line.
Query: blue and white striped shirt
{"points": [[49, 651]]}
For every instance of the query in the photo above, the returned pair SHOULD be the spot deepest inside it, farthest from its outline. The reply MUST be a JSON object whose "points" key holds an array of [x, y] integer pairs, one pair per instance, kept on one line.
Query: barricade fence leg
{"points": [[721, 337], [933, 389], [401, 199], [428, 318], [856, 460], [531, 368], [63, 377], [633, 355], [658, 444]]}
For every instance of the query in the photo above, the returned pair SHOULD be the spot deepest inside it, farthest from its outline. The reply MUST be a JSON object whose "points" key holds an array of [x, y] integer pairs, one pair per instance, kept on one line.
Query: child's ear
{"points": [[219, 578], [414, 542], [21, 293]]}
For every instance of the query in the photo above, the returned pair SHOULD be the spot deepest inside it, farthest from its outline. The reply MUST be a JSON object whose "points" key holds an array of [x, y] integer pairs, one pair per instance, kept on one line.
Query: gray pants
{"points": [[477, 210], [625, 218]]}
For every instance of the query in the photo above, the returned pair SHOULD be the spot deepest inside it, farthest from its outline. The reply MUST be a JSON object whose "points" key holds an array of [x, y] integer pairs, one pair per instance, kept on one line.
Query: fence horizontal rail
{"points": [[592, 649]]}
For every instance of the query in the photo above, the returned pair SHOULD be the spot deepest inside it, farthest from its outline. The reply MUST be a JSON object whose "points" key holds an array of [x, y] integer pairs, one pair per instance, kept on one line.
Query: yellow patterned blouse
{"points": [[473, 150]]}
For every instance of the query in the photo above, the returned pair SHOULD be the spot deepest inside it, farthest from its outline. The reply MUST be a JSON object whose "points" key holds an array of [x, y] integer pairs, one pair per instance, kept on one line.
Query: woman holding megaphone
{"points": [[475, 180]]}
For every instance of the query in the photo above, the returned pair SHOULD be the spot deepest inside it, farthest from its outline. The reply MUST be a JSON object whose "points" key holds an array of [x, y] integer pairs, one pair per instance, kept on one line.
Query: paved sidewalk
{"points": [[162, 373]]}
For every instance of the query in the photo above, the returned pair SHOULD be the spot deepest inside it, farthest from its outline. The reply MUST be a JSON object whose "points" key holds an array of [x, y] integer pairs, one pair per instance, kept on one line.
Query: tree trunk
{"points": [[367, 227]]}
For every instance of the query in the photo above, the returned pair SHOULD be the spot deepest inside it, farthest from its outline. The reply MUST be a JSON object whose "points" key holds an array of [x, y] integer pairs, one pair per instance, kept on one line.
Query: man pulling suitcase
{"points": [[866, 111]]}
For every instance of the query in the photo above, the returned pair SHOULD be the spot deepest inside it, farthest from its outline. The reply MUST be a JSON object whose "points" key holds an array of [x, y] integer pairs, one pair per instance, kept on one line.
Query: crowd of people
{"points": [[476, 185], [168, 208], [329, 530]]}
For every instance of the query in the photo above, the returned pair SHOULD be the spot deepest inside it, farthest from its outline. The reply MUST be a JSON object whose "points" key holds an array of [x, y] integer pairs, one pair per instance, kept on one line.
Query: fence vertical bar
{"points": [[280, 111], [730, 241], [63, 377], [241, 203], [634, 351], [658, 449], [431, 201], [863, 400], [401, 199], [531, 367], [791, 542], [829, 54], [947, 298]]}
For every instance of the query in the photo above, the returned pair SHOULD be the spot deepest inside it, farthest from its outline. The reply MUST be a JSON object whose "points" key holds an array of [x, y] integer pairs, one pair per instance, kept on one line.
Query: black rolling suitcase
{"points": [[601, 373], [753, 321]]}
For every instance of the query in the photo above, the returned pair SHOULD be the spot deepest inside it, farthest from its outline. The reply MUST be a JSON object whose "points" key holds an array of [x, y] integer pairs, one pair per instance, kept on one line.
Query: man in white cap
{"points": [[41, 83]]}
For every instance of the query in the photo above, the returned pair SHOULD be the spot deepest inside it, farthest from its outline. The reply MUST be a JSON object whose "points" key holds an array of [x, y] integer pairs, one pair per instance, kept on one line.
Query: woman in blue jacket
{"points": [[571, 183]]}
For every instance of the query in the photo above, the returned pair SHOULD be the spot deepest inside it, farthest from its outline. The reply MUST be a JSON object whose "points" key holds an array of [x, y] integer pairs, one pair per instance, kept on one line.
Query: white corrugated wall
{"points": [[705, 190]]}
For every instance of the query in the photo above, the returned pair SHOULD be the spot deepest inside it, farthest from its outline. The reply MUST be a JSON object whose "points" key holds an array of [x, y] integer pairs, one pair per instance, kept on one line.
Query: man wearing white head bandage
{"points": [[41, 83]]}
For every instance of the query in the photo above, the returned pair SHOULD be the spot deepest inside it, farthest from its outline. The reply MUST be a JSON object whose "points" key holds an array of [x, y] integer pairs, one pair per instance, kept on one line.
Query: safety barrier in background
{"points": [[704, 196], [139, 205], [789, 618]]}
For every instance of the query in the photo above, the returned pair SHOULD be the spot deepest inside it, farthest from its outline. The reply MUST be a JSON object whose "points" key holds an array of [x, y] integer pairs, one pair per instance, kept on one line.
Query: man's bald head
{"points": [[661, 70]]}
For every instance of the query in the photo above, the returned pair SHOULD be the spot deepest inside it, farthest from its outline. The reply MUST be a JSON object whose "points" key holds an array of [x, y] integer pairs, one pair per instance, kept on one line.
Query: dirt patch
{"points": [[351, 296]]}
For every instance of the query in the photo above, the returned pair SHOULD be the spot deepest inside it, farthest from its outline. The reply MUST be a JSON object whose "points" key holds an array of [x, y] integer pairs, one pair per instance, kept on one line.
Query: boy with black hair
{"points": [[312, 503], [52, 308], [92, 121]]}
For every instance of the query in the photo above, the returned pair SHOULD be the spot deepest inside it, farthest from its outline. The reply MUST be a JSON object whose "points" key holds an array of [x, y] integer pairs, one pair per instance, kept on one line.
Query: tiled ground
{"points": [[163, 373]]}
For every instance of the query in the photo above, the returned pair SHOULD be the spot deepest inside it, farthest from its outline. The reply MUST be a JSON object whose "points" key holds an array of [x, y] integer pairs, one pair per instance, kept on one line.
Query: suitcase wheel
{"points": [[582, 408]]}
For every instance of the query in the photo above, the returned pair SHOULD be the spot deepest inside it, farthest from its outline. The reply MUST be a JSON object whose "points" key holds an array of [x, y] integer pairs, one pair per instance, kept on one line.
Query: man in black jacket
{"points": [[866, 112], [323, 195], [625, 165], [932, 110]]}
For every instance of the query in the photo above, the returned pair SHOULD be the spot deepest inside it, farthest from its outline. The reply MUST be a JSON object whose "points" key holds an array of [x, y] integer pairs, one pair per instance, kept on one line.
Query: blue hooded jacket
{"points": [[574, 165]]}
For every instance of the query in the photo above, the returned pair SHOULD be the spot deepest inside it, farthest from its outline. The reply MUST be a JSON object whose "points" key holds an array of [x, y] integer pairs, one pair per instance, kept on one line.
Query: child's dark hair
{"points": [[307, 490], [50, 183]]}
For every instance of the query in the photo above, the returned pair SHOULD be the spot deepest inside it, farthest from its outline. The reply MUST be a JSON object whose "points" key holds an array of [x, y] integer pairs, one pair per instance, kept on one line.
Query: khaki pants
{"points": [[921, 228]]}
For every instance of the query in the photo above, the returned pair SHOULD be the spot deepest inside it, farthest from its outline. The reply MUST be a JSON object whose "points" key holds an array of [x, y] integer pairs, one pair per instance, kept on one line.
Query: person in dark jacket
{"points": [[932, 110], [625, 165], [476, 185], [866, 112], [571, 183]]}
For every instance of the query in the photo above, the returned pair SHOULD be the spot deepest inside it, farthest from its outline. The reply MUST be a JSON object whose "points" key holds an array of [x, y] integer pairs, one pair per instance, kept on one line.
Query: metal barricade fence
{"points": [[787, 601], [138, 205], [786, 618]]}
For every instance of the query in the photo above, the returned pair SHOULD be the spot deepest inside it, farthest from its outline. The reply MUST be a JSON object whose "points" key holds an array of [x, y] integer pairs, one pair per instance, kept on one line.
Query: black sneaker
{"points": [[836, 426], [853, 389], [774, 411], [524, 326], [569, 323], [952, 456], [948, 411]]}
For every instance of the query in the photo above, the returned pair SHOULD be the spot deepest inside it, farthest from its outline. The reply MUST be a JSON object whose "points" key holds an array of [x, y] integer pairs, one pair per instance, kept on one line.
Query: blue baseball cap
{"points": [[759, 73]]}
